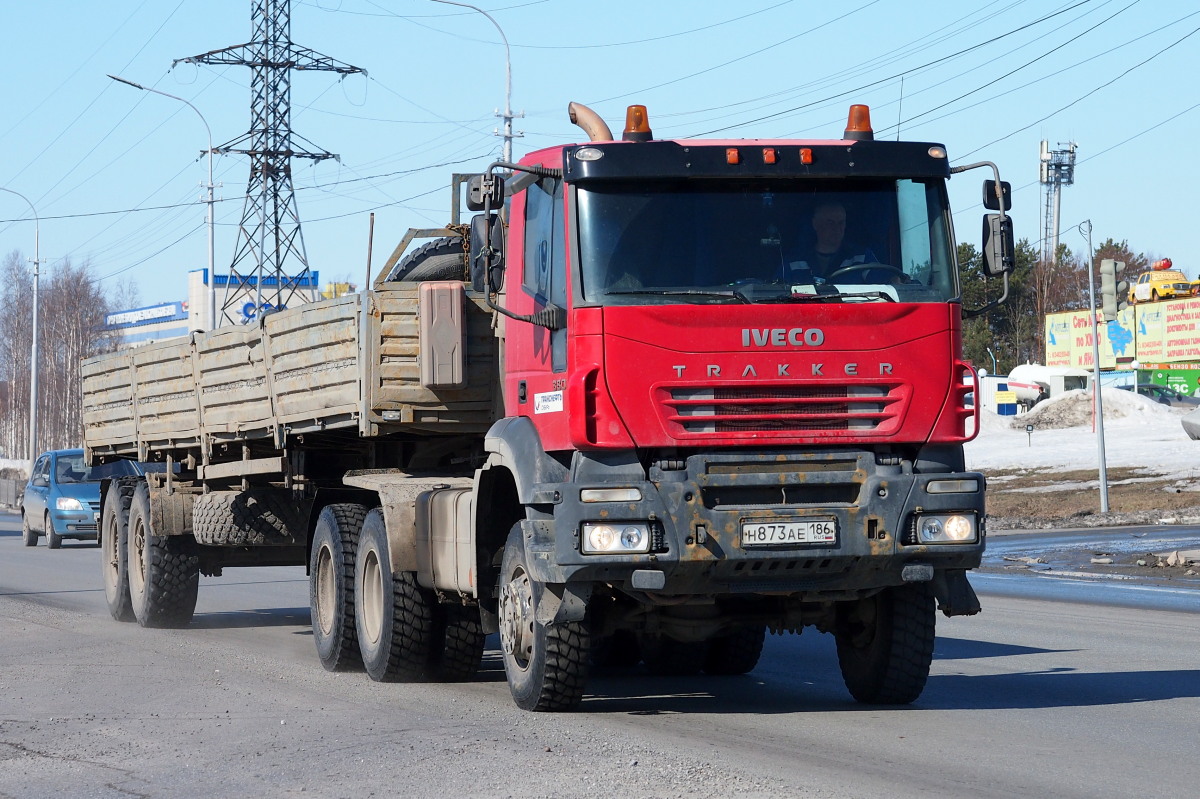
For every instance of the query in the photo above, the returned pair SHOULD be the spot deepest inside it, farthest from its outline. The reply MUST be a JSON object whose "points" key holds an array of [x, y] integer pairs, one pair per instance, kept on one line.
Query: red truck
{"points": [[631, 413]]}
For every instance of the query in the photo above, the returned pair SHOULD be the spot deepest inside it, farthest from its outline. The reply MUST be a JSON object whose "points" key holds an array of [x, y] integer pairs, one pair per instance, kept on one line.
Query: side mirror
{"points": [[998, 249], [487, 253], [485, 191], [992, 198]]}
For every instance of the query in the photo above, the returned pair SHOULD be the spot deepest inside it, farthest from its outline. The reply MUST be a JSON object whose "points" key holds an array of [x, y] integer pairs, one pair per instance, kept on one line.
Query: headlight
{"points": [[68, 503], [601, 537], [950, 528]]}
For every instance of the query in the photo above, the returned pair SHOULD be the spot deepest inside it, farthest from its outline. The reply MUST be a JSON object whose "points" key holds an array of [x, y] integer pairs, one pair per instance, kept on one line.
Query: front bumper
{"points": [[698, 511], [82, 524]]}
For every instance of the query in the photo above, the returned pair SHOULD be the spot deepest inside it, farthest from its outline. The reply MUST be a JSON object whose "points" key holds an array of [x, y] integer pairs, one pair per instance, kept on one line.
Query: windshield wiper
{"points": [[840, 295], [725, 295]]}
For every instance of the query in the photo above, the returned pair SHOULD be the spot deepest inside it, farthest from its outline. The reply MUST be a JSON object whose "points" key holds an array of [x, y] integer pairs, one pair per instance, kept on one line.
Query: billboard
{"points": [[1156, 332]]}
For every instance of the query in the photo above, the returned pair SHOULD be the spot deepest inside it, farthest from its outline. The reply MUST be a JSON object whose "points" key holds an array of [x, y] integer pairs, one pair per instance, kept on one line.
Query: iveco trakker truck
{"points": [[631, 413]]}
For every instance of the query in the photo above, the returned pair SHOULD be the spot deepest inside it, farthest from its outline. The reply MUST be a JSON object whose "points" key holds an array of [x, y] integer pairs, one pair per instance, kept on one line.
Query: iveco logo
{"points": [[782, 337]]}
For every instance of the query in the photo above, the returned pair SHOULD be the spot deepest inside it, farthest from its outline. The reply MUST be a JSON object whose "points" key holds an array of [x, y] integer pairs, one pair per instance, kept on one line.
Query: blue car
{"points": [[62, 497]]}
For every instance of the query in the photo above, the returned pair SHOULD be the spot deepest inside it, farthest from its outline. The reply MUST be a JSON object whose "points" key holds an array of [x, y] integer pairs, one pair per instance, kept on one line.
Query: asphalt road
{"points": [[1033, 697]]}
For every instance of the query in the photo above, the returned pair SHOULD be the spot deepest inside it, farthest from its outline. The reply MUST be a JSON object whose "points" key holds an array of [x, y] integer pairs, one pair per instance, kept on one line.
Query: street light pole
{"points": [[506, 153], [33, 352], [212, 276]]}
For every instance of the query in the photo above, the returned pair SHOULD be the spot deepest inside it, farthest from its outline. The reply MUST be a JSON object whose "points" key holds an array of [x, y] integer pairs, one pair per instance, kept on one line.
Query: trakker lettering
{"points": [[782, 337], [782, 370]]}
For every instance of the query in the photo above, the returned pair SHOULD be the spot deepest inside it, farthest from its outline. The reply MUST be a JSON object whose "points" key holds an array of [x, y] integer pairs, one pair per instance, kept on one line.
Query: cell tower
{"points": [[269, 259], [1057, 170]]}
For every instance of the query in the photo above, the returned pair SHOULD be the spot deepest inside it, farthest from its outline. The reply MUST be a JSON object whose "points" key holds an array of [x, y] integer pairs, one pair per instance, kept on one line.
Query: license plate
{"points": [[764, 534]]}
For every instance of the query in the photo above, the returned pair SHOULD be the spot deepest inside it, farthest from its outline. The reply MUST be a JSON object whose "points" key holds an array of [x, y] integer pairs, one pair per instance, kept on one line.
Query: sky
{"points": [[116, 175]]}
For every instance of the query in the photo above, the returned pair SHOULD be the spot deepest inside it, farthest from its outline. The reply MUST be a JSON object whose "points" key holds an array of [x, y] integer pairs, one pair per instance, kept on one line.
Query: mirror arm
{"points": [[954, 170], [971, 313]]}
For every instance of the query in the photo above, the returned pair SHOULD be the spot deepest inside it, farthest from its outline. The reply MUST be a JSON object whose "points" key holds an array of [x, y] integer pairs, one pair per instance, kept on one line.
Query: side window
{"points": [[40, 470], [545, 250]]}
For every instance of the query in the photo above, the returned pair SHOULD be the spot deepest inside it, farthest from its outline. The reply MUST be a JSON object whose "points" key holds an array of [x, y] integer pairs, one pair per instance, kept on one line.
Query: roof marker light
{"points": [[637, 124], [858, 124], [732, 156], [806, 155], [768, 155]]}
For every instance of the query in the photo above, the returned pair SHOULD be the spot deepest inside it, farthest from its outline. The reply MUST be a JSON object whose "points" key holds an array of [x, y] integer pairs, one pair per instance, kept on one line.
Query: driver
{"points": [[829, 251]]}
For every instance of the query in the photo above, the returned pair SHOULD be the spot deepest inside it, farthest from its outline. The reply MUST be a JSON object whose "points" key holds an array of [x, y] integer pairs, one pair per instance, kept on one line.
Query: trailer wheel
{"points": [[247, 518], [114, 541], [393, 616], [29, 536], [440, 259], [666, 657], [331, 585], [163, 574], [885, 644], [457, 643], [546, 664], [736, 653]]}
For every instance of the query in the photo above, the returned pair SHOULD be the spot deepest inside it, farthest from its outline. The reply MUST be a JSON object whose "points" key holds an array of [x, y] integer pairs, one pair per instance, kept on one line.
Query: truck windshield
{"points": [[708, 241]]}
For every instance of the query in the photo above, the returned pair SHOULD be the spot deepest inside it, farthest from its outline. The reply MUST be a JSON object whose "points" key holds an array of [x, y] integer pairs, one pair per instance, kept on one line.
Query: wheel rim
{"points": [[326, 590], [516, 619], [372, 596], [137, 566]]}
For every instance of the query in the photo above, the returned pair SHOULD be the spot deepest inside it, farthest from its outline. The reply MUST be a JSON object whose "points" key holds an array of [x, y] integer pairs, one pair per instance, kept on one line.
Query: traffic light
{"points": [[1114, 292]]}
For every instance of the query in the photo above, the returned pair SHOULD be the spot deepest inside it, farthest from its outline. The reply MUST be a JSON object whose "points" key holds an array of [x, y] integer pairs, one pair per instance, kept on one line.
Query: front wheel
{"points": [[53, 539], [164, 574], [546, 664], [885, 644]]}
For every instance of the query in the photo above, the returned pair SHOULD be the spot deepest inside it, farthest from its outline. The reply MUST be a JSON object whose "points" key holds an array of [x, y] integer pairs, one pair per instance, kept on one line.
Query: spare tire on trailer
{"points": [[258, 517], [440, 259]]}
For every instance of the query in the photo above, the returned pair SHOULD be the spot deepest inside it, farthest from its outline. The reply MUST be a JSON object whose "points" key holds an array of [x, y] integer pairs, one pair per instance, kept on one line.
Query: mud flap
{"points": [[955, 596], [558, 602]]}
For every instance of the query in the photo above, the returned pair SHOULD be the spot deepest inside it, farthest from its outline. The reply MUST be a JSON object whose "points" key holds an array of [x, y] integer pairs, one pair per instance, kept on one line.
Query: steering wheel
{"points": [[895, 272]]}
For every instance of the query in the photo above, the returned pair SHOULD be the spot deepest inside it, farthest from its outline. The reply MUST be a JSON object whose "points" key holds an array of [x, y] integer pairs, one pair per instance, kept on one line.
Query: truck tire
{"points": [[885, 644], [256, 517], [457, 643], [331, 585], [29, 536], [735, 653], [53, 539], [163, 574], [440, 259], [393, 616], [666, 657], [546, 664], [114, 557]]}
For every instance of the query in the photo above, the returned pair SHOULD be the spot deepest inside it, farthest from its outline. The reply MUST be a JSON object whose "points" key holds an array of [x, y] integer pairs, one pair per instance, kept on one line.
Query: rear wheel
{"points": [[1153, 295], [114, 530], [164, 574], [885, 644], [668, 657], [393, 616], [53, 539], [546, 664], [457, 643], [29, 536], [735, 653], [331, 585]]}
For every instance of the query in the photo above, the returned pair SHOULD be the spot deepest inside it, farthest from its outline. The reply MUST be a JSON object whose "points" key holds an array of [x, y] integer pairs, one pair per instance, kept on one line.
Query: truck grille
{"points": [[857, 407]]}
